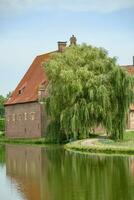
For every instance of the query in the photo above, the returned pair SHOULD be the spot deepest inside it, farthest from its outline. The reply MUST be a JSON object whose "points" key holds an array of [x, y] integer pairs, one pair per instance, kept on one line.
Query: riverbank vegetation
{"points": [[2, 113], [4, 140], [2, 109], [86, 88], [103, 145], [2, 154], [2, 124]]}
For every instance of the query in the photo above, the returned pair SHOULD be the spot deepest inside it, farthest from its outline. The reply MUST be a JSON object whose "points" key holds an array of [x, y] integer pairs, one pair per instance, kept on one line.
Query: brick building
{"points": [[24, 111]]}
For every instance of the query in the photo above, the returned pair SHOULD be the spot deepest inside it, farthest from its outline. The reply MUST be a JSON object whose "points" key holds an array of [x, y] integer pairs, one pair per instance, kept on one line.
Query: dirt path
{"points": [[89, 142]]}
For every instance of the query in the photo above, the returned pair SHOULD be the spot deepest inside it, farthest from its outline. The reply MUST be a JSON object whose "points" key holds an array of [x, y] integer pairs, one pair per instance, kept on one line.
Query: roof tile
{"points": [[27, 89]]}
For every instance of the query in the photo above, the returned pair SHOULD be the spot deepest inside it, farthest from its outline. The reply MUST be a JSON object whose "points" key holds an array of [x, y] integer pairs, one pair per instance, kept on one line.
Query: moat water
{"points": [[51, 173]]}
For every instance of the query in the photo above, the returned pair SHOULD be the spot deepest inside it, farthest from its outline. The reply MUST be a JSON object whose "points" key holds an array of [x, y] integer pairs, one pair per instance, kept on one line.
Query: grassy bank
{"points": [[36, 141], [40, 141], [104, 145]]}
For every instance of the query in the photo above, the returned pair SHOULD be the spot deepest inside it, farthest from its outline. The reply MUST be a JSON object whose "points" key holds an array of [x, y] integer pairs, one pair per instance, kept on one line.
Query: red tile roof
{"points": [[27, 89]]}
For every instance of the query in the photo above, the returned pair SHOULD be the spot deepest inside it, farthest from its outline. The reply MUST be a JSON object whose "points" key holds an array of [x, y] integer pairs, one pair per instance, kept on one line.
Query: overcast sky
{"points": [[32, 27]]}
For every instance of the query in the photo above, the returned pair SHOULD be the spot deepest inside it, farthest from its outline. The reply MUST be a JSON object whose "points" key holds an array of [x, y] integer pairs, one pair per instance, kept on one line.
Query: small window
{"points": [[21, 90], [25, 116], [19, 117], [13, 117], [32, 115], [8, 118]]}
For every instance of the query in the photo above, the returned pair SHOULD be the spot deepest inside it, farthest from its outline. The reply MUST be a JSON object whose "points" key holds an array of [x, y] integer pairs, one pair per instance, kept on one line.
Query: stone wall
{"points": [[25, 120]]}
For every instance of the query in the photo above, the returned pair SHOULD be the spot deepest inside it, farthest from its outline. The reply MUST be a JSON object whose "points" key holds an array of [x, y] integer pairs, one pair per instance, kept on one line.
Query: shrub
{"points": [[2, 124]]}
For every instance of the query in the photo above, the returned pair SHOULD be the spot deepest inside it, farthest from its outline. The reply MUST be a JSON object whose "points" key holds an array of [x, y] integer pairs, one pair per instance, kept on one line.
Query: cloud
{"points": [[104, 6]]}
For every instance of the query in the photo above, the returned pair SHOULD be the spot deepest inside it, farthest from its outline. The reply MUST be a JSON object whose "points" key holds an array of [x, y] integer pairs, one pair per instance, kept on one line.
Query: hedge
{"points": [[2, 124]]}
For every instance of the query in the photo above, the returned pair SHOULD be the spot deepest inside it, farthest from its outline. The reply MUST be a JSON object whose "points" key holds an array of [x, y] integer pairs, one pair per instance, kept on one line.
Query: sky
{"points": [[32, 27]]}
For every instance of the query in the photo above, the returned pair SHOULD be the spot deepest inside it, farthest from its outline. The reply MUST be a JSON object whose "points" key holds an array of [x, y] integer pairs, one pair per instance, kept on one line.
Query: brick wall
{"points": [[24, 120]]}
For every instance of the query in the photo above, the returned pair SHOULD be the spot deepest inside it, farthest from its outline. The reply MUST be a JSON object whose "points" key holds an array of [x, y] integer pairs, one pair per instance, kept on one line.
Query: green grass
{"points": [[129, 135], [40, 141], [106, 145]]}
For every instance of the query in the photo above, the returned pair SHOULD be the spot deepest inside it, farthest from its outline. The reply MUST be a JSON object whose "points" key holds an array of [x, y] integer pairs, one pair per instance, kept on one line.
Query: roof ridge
{"points": [[127, 65], [47, 53]]}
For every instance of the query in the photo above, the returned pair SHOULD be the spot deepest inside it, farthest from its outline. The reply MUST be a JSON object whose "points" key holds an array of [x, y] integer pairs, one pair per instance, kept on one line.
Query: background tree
{"points": [[2, 113], [2, 110], [87, 88], [8, 95]]}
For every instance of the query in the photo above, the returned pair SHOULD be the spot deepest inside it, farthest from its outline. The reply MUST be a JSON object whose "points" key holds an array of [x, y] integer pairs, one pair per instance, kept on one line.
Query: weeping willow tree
{"points": [[87, 89]]}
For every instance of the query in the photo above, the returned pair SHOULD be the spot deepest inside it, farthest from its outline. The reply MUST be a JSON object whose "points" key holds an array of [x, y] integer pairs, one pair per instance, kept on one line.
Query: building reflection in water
{"points": [[25, 168], [54, 174]]}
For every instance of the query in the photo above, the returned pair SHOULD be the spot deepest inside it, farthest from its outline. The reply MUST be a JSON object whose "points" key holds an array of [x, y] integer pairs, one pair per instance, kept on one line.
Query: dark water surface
{"points": [[50, 173]]}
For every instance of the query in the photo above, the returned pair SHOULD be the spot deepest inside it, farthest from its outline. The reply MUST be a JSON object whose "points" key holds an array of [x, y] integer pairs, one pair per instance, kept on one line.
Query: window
{"points": [[21, 90], [32, 115], [19, 117], [25, 116], [14, 117], [8, 118]]}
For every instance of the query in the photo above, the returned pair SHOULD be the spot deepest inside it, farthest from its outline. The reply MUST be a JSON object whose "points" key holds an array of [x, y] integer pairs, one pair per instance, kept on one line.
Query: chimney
{"points": [[133, 60], [61, 46], [73, 40]]}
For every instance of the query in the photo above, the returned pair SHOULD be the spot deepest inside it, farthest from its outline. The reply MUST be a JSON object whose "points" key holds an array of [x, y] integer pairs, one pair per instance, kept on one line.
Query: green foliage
{"points": [[87, 88], [2, 109], [2, 155], [129, 136], [2, 124]]}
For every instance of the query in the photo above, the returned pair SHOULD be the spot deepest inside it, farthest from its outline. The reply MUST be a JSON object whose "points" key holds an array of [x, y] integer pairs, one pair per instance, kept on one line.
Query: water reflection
{"points": [[26, 166], [2, 155], [54, 174]]}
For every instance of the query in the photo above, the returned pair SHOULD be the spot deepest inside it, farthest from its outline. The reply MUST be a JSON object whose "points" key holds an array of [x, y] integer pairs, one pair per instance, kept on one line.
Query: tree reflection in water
{"points": [[51, 173], [2, 155]]}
